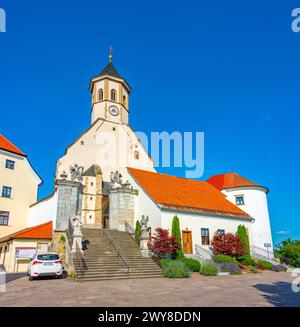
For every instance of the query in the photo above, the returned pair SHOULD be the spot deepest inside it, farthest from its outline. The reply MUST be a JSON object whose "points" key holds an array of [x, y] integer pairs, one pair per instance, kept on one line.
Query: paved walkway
{"points": [[265, 289]]}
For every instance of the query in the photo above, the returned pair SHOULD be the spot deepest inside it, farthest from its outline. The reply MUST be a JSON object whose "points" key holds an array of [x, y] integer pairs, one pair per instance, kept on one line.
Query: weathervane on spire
{"points": [[110, 53]]}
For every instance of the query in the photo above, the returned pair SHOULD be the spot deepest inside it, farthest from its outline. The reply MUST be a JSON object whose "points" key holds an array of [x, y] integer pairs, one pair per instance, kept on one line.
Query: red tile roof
{"points": [[185, 194], [230, 180], [43, 231], [5, 144]]}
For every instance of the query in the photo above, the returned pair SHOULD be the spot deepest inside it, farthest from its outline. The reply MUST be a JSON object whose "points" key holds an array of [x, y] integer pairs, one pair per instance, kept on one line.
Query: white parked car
{"points": [[45, 264]]}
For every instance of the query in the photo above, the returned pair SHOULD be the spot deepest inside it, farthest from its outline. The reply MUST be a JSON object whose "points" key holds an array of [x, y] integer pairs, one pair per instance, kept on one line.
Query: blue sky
{"points": [[227, 68]]}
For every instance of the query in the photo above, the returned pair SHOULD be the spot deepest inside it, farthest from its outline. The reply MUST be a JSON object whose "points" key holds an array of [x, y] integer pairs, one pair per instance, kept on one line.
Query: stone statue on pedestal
{"points": [[76, 172], [76, 232], [145, 236]]}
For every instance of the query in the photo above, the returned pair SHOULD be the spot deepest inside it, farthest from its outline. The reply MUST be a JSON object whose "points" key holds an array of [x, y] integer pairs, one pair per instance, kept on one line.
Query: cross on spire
{"points": [[110, 54]]}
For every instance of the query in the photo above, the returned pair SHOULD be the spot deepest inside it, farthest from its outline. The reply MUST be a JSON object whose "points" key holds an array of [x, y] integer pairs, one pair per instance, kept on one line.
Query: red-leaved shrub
{"points": [[228, 244], [162, 244]]}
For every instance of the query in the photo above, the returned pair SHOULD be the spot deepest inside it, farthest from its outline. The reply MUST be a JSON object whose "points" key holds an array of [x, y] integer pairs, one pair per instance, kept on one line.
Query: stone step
{"points": [[95, 279], [133, 262], [102, 261], [117, 263], [120, 270]]}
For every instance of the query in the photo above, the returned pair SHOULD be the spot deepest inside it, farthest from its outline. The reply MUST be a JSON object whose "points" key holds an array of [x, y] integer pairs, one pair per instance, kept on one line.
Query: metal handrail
{"points": [[116, 247], [262, 253], [131, 230], [80, 259]]}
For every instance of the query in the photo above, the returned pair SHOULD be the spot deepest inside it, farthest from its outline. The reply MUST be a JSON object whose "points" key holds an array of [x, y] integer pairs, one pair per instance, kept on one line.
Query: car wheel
{"points": [[31, 278]]}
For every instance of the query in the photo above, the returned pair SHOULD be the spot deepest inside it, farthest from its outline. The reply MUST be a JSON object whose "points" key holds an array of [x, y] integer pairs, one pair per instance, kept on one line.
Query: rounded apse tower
{"points": [[251, 198]]}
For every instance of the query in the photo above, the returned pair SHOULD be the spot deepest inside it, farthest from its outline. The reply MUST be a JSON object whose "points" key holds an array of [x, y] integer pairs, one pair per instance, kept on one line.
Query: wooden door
{"points": [[187, 242]]}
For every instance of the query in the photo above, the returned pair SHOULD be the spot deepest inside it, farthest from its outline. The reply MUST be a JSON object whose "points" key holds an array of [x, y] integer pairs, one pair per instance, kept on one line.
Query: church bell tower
{"points": [[110, 95]]}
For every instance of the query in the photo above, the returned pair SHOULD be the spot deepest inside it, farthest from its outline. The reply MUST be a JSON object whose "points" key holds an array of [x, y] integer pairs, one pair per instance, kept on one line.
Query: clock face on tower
{"points": [[114, 111]]}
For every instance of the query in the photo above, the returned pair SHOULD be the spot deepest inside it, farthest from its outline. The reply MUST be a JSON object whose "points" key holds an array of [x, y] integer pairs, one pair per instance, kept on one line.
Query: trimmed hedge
{"points": [[246, 260], [192, 264], [209, 269], [164, 262], [176, 269], [264, 264], [220, 258]]}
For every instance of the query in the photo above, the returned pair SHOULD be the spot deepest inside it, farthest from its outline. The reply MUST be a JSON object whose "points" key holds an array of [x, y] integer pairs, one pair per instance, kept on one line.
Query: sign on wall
{"points": [[25, 252]]}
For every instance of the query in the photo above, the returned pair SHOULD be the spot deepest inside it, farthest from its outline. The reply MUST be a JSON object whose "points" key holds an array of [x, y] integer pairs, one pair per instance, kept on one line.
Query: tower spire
{"points": [[110, 57]]}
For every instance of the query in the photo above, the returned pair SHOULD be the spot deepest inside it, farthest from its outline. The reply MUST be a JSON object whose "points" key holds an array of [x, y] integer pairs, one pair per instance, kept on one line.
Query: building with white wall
{"points": [[201, 208], [251, 198], [220, 204], [19, 184]]}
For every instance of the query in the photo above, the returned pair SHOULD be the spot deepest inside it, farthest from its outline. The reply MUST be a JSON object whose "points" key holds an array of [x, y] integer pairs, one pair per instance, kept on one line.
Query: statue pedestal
{"points": [[121, 208], [144, 247], [77, 239]]}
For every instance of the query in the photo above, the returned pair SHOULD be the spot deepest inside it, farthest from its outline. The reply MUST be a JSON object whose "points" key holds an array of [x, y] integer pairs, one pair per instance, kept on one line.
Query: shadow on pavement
{"points": [[279, 294], [10, 277]]}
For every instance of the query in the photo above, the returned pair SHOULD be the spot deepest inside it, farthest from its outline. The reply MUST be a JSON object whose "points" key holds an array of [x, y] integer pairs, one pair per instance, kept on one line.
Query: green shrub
{"points": [[165, 262], [192, 264], [292, 252], [177, 234], [243, 234], [264, 264], [225, 258], [176, 269], [138, 230], [296, 263], [209, 269], [247, 260]]}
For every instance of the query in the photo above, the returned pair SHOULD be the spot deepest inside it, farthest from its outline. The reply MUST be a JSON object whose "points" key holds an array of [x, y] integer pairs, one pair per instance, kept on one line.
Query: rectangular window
{"points": [[239, 200], [6, 192], [221, 231], [4, 217], [205, 236], [9, 164]]}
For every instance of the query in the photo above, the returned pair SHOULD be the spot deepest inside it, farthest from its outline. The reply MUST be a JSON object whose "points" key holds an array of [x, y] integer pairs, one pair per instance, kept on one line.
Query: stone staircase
{"points": [[102, 262]]}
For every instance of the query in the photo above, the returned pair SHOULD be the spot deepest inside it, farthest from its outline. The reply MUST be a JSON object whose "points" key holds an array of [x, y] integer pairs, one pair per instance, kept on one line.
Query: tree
{"points": [[243, 234], [177, 235], [162, 244], [289, 252], [228, 244], [138, 230]]}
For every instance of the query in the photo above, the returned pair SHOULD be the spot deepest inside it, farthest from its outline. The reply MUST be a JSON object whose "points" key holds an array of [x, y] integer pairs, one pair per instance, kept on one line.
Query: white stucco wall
{"points": [[143, 205], [256, 205], [194, 223], [109, 145], [44, 211]]}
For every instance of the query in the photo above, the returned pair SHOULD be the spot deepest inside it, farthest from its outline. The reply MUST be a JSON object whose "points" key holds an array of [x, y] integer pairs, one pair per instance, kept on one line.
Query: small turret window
{"points": [[124, 100], [113, 95], [100, 95], [239, 200], [136, 155]]}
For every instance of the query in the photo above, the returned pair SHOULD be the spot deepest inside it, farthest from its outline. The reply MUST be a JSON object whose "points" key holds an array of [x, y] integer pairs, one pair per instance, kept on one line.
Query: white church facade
{"points": [[220, 204]]}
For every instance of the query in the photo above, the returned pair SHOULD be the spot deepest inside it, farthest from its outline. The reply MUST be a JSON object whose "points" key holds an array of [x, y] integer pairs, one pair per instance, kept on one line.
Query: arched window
{"points": [[124, 100], [113, 95], [100, 95], [136, 155]]}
